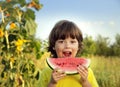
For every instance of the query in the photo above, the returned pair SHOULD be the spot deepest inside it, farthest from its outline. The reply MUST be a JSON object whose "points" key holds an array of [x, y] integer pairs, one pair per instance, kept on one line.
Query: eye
{"points": [[73, 41], [60, 41]]}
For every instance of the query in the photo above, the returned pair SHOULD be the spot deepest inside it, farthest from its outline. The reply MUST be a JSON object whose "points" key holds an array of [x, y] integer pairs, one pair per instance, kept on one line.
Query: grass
{"points": [[106, 70]]}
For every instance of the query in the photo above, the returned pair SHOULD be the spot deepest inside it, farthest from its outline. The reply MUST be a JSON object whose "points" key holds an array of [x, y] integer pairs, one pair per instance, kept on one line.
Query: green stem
{"points": [[7, 41]]}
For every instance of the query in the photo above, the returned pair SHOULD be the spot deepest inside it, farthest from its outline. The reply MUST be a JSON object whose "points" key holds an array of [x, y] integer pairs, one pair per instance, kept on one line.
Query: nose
{"points": [[67, 45]]}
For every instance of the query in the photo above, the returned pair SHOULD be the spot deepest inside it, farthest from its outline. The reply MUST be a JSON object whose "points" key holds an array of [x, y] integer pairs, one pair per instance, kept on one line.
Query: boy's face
{"points": [[67, 47]]}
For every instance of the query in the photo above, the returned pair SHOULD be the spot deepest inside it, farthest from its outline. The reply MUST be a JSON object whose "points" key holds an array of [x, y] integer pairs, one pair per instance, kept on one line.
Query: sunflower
{"points": [[19, 42], [1, 33], [12, 25]]}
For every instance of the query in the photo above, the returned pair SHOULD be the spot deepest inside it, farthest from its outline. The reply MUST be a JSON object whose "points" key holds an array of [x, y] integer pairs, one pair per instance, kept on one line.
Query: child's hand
{"points": [[57, 75], [83, 71]]}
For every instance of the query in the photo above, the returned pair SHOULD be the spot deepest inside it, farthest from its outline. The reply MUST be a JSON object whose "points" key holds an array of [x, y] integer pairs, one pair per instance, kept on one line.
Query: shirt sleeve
{"points": [[45, 76], [92, 78]]}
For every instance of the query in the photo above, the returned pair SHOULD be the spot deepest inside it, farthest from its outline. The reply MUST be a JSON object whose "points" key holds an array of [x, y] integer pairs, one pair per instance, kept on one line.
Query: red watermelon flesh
{"points": [[69, 65]]}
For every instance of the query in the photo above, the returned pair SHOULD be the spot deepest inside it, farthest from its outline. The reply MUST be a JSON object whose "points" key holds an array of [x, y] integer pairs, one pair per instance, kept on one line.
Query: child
{"points": [[65, 40]]}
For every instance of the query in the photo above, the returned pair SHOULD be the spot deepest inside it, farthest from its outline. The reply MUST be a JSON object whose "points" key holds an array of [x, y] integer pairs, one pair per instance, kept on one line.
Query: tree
{"points": [[115, 48], [89, 47], [18, 42], [102, 45]]}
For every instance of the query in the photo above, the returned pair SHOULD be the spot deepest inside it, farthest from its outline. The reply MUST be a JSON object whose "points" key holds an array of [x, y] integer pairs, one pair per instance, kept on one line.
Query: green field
{"points": [[107, 71]]}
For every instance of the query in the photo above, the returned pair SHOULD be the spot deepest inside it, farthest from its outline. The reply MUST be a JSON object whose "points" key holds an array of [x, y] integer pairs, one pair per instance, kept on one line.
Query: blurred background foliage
{"points": [[101, 46], [18, 45]]}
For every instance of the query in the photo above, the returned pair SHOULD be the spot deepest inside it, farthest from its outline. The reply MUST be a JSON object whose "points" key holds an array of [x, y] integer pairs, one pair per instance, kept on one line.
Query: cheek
{"points": [[58, 47], [76, 47], [58, 50]]}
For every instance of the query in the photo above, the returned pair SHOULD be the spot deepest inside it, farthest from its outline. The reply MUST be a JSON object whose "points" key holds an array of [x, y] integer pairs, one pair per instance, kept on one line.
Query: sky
{"points": [[93, 17]]}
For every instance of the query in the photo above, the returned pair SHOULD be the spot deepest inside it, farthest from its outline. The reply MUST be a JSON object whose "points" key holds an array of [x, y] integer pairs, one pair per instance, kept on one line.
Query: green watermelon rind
{"points": [[68, 72]]}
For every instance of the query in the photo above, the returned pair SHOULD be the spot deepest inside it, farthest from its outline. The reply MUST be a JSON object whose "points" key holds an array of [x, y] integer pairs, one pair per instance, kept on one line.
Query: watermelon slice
{"points": [[69, 65]]}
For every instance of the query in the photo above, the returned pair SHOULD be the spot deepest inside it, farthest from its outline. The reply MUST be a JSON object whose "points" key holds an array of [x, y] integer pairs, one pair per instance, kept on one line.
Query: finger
{"points": [[82, 70], [85, 67], [59, 76], [56, 70], [83, 73], [83, 76]]}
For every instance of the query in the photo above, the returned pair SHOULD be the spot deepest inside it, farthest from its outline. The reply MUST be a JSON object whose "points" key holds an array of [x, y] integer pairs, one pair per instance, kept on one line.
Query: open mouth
{"points": [[67, 54]]}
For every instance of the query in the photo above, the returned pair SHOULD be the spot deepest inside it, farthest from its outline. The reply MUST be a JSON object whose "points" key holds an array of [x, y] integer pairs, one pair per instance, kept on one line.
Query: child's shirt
{"points": [[67, 81]]}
